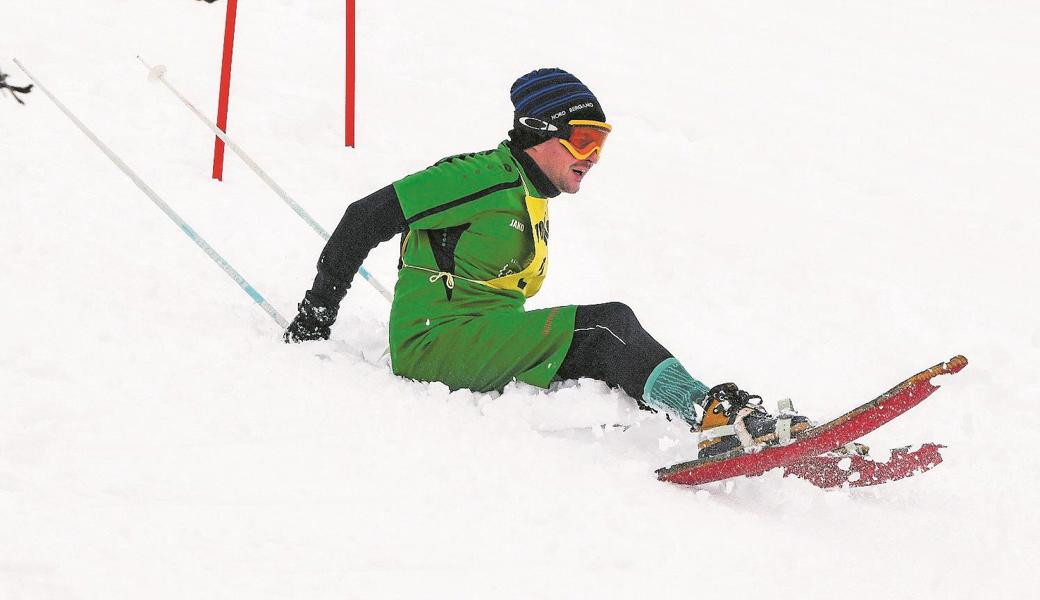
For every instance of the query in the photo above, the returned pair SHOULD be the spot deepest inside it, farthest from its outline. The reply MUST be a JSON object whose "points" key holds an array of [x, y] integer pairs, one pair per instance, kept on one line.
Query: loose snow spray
{"points": [[195, 237]]}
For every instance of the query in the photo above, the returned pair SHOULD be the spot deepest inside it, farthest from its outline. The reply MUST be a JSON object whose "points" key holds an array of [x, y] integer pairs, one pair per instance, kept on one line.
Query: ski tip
{"points": [[949, 367], [955, 364]]}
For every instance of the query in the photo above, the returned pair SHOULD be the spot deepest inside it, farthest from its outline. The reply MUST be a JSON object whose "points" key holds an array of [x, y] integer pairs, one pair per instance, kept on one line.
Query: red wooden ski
{"points": [[823, 439]]}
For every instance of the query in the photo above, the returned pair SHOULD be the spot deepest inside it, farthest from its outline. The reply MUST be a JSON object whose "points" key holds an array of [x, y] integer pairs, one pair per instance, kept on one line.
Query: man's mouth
{"points": [[579, 171]]}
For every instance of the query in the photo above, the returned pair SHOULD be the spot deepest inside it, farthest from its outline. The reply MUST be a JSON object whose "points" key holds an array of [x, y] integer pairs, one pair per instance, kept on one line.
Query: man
{"points": [[475, 247]]}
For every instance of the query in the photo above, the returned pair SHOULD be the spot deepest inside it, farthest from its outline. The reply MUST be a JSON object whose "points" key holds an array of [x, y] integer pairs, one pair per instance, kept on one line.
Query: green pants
{"points": [[487, 352]]}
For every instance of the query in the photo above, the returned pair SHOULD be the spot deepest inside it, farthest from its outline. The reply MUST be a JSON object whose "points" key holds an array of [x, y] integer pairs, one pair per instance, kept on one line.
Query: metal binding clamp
{"points": [[785, 410]]}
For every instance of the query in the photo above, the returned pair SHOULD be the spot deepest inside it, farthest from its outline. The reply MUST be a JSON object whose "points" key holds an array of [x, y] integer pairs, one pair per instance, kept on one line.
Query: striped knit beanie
{"points": [[544, 101]]}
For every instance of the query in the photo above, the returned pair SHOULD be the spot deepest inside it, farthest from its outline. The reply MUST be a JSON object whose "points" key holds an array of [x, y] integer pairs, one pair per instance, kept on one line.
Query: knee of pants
{"points": [[615, 315]]}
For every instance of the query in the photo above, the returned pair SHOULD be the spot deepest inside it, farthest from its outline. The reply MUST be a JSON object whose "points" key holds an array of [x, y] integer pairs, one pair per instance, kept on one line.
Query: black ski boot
{"points": [[734, 418]]}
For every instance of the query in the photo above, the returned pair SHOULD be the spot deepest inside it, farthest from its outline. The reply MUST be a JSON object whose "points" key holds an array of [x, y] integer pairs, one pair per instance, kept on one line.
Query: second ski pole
{"points": [[157, 73], [195, 237]]}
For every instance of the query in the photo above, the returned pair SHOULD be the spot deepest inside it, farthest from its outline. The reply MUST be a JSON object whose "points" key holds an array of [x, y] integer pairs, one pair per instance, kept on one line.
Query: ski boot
{"points": [[734, 418]]}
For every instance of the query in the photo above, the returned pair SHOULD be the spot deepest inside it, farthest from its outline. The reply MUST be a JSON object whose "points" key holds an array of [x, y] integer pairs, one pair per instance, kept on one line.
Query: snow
{"points": [[814, 199]]}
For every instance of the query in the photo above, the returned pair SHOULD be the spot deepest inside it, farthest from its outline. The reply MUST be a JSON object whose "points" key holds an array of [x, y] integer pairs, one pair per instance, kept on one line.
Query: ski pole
{"points": [[158, 72], [217, 258]]}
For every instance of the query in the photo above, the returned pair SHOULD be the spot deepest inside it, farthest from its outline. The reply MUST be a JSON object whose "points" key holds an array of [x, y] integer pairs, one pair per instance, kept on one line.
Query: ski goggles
{"points": [[585, 138]]}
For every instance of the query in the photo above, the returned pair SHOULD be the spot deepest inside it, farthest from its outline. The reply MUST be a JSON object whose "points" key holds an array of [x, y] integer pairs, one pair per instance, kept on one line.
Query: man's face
{"points": [[563, 170]]}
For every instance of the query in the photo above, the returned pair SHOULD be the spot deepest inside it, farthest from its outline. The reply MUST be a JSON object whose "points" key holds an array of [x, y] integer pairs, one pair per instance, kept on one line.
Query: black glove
{"points": [[313, 321]]}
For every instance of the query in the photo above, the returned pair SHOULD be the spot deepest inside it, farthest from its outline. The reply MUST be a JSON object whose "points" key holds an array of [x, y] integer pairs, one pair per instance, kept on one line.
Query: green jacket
{"points": [[468, 264]]}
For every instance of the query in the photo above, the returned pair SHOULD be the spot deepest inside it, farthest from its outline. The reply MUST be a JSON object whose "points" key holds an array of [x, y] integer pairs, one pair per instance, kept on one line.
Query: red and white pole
{"points": [[225, 88], [350, 96]]}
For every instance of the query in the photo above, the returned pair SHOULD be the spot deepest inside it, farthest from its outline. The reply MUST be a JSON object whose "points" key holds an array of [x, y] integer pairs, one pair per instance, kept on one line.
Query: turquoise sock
{"points": [[670, 387]]}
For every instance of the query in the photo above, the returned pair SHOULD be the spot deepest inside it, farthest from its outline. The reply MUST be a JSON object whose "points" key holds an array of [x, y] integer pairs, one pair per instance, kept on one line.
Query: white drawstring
{"points": [[447, 277]]}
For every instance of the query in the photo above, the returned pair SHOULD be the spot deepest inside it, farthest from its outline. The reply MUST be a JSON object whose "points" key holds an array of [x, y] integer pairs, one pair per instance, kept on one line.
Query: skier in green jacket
{"points": [[474, 247]]}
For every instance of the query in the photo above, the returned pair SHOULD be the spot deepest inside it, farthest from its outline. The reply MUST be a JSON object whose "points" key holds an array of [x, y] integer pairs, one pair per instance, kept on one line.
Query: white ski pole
{"points": [[158, 72], [217, 258]]}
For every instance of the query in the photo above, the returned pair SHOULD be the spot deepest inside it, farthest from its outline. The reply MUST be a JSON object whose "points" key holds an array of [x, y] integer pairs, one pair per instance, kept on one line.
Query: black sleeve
{"points": [[366, 223]]}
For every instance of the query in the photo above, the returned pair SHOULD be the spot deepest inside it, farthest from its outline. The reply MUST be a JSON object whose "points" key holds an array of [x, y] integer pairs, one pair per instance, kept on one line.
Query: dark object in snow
{"points": [[798, 456], [15, 90], [313, 321]]}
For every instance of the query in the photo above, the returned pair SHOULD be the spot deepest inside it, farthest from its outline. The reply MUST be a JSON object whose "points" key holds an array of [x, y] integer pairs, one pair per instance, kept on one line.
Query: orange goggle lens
{"points": [[586, 137]]}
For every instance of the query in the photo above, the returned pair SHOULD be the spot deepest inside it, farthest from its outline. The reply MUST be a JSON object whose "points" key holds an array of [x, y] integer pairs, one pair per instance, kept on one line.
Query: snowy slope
{"points": [[813, 199]]}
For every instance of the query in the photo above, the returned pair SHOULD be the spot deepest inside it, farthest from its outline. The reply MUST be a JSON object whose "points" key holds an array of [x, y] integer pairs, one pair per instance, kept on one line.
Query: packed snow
{"points": [[813, 199]]}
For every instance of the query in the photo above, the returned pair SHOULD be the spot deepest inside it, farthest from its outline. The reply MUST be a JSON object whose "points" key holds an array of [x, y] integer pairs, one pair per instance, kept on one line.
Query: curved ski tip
{"points": [[955, 364]]}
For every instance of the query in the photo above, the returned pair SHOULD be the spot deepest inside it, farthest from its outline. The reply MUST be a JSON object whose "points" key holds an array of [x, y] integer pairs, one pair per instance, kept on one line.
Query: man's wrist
{"points": [[327, 291]]}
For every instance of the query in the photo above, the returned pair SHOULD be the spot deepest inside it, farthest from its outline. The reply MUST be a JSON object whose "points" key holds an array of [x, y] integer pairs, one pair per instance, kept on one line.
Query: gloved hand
{"points": [[313, 321]]}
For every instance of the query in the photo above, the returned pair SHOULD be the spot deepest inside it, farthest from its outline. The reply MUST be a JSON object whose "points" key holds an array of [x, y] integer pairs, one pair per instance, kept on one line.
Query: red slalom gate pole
{"points": [[225, 88], [348, 137]]}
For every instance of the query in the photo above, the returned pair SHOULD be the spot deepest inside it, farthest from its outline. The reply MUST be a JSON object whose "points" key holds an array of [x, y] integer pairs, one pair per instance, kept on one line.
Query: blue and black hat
{"points": [[544, 101]]}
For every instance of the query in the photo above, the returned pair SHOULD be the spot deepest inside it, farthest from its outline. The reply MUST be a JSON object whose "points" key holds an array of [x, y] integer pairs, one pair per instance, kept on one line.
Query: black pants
{"points": [[610, 345]]}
